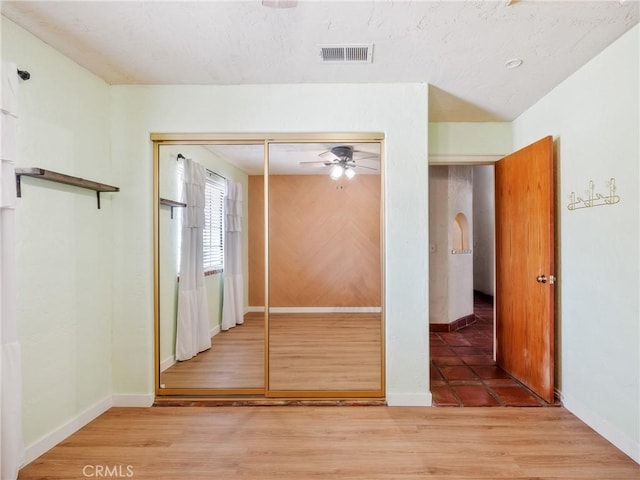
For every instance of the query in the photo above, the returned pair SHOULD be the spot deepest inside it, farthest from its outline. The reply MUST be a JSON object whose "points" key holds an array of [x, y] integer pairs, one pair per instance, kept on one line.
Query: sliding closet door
{"points": [[325, 327], [234, 363]]}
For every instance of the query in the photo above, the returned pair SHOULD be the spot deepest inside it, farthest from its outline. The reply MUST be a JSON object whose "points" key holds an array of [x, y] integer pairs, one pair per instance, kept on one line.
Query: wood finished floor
{"points": [[346, 443]]}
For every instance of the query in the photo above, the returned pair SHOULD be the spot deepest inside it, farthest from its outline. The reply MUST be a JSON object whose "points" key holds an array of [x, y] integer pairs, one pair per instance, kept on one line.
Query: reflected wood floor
{"points": [[235, 360], [346, 443], [336, 351]]}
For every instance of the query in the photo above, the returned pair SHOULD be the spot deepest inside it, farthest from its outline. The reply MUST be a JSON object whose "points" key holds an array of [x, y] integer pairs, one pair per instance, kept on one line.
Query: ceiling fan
{"points": [[342, 159]]}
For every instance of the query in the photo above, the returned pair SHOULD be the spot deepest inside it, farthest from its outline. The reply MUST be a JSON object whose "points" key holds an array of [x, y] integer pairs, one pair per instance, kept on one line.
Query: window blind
{"points": [[213, 236]]}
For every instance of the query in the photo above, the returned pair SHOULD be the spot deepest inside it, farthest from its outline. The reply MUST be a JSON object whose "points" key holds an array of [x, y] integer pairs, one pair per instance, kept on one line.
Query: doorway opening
{"points": [[463, 368]]}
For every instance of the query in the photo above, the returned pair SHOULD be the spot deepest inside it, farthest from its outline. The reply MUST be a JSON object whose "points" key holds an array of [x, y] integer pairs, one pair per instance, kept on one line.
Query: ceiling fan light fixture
{"points": [[350, 173], [336, 172]]}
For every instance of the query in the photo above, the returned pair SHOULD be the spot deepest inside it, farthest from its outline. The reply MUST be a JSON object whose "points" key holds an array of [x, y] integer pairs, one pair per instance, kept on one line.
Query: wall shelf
{"points": [[61, 178], [172, 203]]}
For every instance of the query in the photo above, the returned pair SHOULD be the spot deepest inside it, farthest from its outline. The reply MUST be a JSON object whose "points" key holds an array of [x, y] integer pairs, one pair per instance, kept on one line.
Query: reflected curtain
{"points": [[12, 441], [192, 333], [232, 309]]}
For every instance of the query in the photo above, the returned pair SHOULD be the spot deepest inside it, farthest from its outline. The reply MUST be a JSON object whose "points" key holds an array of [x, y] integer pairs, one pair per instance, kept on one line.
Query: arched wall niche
{"points": [[460, 233]]}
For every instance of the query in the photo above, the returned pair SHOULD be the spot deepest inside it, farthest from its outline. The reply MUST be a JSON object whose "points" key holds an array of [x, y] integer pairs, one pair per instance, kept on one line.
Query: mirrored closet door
{"points": [[207, 340], [325, 325], [269, 288]]}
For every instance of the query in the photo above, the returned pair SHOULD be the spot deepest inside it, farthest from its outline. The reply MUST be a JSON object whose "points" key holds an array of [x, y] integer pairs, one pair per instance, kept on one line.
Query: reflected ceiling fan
{"points": [[343, 160]]}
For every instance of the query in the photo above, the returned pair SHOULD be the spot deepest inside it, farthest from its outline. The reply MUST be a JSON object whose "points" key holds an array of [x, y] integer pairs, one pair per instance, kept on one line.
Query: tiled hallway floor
{"points": [[463, 373]]}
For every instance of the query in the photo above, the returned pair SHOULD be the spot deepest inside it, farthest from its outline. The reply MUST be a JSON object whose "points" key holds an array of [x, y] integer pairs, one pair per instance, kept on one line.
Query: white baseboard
{"points": [[409, 399], [133, 400], [605, 428], [50, 440], [167, 362], [214, 331], [171, 361]]}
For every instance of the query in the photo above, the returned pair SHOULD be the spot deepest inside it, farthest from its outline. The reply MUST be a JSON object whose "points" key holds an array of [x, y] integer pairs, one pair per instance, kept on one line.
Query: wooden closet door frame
{"points": [[266, 139]]}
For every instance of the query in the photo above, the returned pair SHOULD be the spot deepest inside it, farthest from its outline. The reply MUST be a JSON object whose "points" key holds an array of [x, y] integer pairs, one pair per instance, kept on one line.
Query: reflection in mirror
{"points": [[325, 275], [219, 291]]}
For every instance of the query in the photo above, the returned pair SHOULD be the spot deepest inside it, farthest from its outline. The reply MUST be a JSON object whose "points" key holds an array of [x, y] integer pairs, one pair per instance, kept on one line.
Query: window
{"points": [[213, 236]]}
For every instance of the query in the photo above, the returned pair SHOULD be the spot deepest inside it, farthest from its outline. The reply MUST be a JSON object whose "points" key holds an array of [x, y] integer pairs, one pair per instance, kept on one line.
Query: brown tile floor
{"points": [[463, 373]]}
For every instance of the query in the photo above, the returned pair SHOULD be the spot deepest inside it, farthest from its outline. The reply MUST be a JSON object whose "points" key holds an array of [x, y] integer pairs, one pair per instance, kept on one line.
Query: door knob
{"points": [[541, 279]]}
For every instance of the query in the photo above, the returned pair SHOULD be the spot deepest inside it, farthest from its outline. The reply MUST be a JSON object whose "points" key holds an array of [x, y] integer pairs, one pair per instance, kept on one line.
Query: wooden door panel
{"points": [[525, 251]]}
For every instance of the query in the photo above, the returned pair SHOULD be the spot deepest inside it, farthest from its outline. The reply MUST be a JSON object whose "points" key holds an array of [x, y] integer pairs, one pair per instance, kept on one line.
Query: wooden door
{"points": [[525, 266]]}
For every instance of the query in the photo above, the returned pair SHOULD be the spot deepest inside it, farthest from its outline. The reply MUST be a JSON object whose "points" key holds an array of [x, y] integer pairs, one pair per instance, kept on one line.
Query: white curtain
{"points": [[232, 309], [192, 336], [11, 417]]}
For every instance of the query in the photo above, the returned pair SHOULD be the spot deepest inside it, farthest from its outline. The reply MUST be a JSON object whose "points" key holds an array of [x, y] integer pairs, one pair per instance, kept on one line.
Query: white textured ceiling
{"points": [[458, 47]]}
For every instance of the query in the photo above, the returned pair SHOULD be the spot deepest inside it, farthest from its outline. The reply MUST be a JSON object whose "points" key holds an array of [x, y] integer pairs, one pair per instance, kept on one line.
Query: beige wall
{"points": [[595, 121], [483, 229], [398, 110], [468, 142], [65, 252], [451, 288]]}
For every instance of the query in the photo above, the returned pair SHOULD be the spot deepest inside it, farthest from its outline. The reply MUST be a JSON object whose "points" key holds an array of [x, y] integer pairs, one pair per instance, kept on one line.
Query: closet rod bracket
{"points": [[172, 203]]}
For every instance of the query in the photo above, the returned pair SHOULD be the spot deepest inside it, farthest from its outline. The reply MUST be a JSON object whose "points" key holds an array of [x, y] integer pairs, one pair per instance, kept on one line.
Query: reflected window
{"points": [[214, 193]]}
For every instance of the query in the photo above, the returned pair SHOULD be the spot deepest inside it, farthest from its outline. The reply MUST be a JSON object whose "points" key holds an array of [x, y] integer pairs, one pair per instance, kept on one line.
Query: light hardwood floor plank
{"points": [[350, 443]]}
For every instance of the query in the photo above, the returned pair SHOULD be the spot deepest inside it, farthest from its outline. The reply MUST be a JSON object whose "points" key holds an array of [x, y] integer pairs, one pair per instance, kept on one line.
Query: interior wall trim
{"points": [[454, 326], [409, 399], [167, 362], [65, 430], [453, 159], [258, 138], [85, 417], [601, 425], [171, 360]]}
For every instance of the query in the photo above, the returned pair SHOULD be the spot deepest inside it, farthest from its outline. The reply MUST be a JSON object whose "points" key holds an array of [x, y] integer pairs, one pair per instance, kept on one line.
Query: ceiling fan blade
{"points": [[360, 155], [368, 162], [328, 155], [317, 164], [363, 166]]}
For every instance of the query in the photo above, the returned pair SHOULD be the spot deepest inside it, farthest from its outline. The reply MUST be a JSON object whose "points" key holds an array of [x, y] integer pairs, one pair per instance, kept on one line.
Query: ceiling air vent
{"points": [[346, 53]]}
